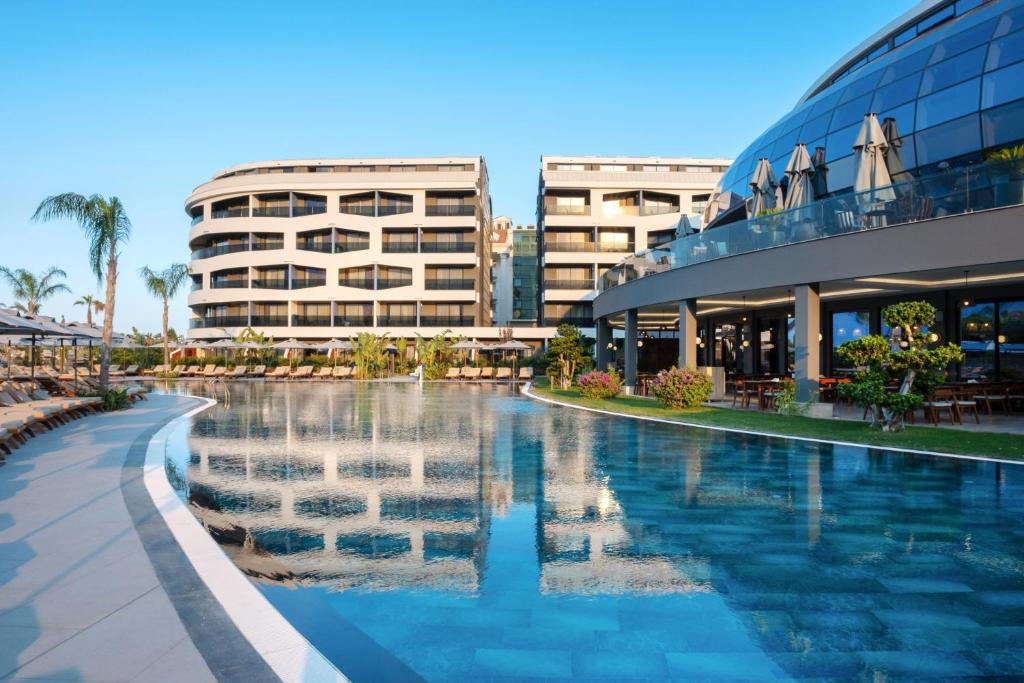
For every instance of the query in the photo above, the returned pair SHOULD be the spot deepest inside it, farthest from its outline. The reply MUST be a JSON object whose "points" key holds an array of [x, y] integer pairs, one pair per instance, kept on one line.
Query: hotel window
{"points": [[615, 240], [357, 314], [389, 277], [570, 167], [699, 169], [394, 204], [312, 315], [613, 168], [847, 326], [699, 202], [656, 169], [308, 277], [357, 204], [270, 314], [397, 314], [360, 276], [621, 204], [399, 241]]}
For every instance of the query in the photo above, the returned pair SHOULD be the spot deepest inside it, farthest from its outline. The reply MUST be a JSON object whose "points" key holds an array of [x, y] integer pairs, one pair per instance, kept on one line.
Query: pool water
{"points": [[466, 533]]}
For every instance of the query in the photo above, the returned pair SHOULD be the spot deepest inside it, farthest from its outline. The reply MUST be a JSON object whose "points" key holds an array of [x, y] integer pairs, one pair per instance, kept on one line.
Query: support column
{"points": [[808, 345], [603, 356], [688, 333], [630, 350]]}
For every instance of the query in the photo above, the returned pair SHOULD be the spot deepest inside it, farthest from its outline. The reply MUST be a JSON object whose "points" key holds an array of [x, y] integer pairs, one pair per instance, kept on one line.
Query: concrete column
{"points": [[630, 355], [808, 346], [603, 357], [688, 333]]}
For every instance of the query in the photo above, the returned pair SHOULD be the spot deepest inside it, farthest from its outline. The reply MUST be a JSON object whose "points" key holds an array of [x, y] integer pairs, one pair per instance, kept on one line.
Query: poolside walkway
{"points": [[79, 597]]}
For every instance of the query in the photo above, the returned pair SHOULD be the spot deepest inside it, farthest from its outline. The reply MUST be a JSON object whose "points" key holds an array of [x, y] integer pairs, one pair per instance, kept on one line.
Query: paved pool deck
{"points": [[92, 585]]}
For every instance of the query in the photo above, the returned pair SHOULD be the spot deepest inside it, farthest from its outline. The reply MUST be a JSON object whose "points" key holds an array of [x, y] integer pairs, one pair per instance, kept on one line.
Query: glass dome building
{"points": [[951, 75]]}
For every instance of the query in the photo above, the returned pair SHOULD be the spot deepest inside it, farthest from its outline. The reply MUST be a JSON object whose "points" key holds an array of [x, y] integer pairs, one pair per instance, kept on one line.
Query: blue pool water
{"points": [[466, 533]]}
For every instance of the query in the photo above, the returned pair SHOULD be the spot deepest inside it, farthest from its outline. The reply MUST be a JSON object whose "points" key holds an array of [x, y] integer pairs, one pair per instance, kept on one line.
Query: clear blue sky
{"points": [[147, 100]]}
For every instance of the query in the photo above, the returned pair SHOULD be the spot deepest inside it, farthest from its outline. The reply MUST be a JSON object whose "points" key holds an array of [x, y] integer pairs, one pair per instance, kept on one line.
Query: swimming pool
{"points": [[467, 533]]}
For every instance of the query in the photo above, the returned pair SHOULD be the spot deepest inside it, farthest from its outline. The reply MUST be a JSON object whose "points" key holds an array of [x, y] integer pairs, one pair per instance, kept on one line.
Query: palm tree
{"points": [[92, 304], [106, 225], [164, 285], [31, 290]]}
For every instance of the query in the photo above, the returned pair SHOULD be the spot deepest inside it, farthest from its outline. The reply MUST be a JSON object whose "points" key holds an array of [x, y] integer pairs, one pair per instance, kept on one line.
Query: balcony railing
{"points": [[270, 283], [268, 245], [447, 320], [228, 284], [208, 252], [306, 282], [350, 245], [270, 321], [392, 282], [566, 210], [569, 246], [450, 283], [447, 247], [270, 212], [954, 192], [394, 209], [657, 210], [311, 321], [569, 284], [220, 321], [451, 210], [239, 212], [358, 282], [353, 320], [322, 247], [308, 209], [609, 247], [577, 320], [197, 219], [396, 321], [399, 247], [357, 209]]}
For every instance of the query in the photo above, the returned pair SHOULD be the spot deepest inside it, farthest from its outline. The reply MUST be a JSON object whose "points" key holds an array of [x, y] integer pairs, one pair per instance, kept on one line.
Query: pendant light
{"points": [[966, 301]]}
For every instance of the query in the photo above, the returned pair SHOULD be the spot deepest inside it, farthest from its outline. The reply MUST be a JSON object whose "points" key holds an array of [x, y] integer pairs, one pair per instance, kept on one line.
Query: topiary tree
{"points": [[568, 353], [907, 357]]}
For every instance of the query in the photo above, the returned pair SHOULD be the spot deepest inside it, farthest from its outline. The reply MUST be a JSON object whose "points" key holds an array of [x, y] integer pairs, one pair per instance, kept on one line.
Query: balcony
{"points": [[270, 321], [306, 282], [270, 212], [270, 283], [578, 321], [615, 247], [569, 284], [399, 247], [447, 247], [450, 283], [396, 321], [233, 212], [267, 245], [451, 210], [219, 321], [393, 282], [350, 245], [569, 246], [353, 320], [447, 321], [311, 321], [357, 282], [657, 209], [217, 250], [198, 218], [358, 209], [309, 209], [321, 247], [566, 210], [394, 209], [228, 284]]}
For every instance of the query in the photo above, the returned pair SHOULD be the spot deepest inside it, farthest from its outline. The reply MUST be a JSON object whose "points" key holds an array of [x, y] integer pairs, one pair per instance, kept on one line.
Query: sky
{"points": [[147, 100]]}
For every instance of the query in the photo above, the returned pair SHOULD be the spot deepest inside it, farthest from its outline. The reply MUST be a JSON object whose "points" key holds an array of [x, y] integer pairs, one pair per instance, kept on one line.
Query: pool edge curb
{"points": [[283, 649], [528, 391]]}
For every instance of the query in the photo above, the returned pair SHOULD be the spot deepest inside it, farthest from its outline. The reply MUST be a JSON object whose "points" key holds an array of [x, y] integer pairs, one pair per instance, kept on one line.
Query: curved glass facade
{"points": [[955, 93]]}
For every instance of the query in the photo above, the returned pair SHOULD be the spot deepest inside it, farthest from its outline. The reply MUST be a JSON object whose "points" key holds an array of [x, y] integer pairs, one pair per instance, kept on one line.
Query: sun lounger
{"points": [[237, 371], [209, 370], [302, 372], [219, 371], [487, 373], [526, 374], [132, 370], [280, 372], [342, 372], [503, 373], [178, 369], [471, 373], [258, 371], [194, 371], [323, 373], [453, 373]]}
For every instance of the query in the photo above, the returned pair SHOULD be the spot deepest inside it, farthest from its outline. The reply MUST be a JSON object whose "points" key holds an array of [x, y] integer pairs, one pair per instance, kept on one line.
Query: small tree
{"points": [[92, 305], [368, 354], [905, 357], [401, 344], [164, 285], [435, 354], [31, 290], [567, 355]]}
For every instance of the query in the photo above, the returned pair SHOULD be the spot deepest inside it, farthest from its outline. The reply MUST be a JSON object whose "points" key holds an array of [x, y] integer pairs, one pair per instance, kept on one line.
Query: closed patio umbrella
{"points": [[799, 170], [764, 188], [894, 141], [819, 177], [871, 177]]}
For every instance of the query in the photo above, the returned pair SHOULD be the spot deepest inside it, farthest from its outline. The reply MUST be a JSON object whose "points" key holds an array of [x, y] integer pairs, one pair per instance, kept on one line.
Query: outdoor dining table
{"points": [[761, 385]]}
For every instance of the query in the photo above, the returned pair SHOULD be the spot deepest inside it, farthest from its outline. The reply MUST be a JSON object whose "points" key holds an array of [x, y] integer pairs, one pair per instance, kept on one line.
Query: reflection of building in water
{"points": [[587, 544], [338, 497]]}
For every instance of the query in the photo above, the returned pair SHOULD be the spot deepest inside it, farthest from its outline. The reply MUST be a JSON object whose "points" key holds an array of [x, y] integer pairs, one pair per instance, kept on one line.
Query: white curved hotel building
{"points": [[321, 248]]}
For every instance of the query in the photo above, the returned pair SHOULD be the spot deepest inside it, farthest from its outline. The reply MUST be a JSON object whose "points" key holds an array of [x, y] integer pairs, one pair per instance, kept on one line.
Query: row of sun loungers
{"points": [[487, 373]]}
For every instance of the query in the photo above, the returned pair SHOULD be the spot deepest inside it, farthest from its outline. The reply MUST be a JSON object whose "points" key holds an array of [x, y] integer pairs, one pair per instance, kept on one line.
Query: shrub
{"points": [[115, 399], [598, 384], [785, 400], [681, 387]]}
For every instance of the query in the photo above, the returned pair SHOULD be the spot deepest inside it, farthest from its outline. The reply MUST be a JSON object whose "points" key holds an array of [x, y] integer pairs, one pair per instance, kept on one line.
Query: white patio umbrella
{"points": [[871, 177], [293, 344], [764, 188], [512, 345], [468, 345], [333, 346], [798, 170]]}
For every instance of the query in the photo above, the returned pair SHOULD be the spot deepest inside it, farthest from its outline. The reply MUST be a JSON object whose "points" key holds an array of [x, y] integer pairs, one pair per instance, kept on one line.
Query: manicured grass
{"points": [[926, 438]]}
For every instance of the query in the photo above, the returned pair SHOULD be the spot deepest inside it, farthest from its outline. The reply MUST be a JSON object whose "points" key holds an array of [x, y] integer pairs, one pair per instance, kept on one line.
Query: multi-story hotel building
{"points": [[593, 211], [321, 248]]}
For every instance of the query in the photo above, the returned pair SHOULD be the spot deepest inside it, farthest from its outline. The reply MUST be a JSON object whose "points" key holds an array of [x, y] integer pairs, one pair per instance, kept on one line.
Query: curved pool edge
{"points": [[283, 649], [527, 391]]}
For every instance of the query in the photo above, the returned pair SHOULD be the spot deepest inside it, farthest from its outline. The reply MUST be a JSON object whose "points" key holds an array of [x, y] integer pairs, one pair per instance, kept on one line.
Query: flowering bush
{"points": [[598, 384], [681, 387]]}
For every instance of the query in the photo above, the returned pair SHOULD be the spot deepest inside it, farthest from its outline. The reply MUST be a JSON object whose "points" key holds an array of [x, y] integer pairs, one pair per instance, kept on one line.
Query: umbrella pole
{"points": [[8, 360], [74, 364], [32, 359]]}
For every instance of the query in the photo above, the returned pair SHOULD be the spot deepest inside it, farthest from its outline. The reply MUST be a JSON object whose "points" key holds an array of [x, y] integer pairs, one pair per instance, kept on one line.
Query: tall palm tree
{"points": [[31, 290], [164, 285], [106, 225], [92, 304]]}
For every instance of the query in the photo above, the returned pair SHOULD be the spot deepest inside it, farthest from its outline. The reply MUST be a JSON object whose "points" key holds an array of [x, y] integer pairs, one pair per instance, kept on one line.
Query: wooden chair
{"points": [[740, 393], [989, 394], [942, 400], [827, 389], [965, 403]]}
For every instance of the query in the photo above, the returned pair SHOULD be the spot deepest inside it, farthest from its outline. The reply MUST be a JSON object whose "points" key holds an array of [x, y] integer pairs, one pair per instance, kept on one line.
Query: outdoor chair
{"points": [[992, 394], [209, 370], [258, 371], [324, 372], [237, 371], [503, 373], [301, 372], [526, 373], [178, 369], [220, 371], [132, 370], [341, 372], [453, 373], [280, 372], [1014, 396], [471, 373], [942, 400], [487, 373], [965, 403], [740, 394]]}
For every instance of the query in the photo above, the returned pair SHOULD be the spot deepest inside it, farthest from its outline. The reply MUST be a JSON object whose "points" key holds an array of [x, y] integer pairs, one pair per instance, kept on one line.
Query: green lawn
{"points": [[1010, 446]]}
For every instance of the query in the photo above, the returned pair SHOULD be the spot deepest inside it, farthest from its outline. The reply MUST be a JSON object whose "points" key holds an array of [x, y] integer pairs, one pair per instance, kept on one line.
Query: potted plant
{"points": [[1007, 175]]}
